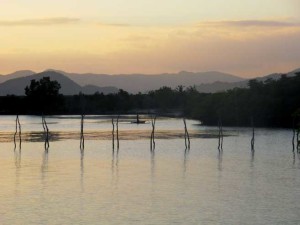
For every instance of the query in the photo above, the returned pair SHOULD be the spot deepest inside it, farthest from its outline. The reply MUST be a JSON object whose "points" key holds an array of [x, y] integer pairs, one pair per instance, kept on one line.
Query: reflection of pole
{"points": [[253, 134]]}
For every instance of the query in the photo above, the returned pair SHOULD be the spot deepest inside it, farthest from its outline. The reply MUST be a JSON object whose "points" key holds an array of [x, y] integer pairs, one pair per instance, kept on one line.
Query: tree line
{"points": [[269, 103]]}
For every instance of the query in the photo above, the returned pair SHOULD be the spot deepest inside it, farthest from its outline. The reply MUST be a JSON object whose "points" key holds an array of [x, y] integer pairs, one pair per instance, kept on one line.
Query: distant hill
{"points": [[68, 87], [90, 83], [223, 86], [142, 83], [135, 83], [17, 74]]}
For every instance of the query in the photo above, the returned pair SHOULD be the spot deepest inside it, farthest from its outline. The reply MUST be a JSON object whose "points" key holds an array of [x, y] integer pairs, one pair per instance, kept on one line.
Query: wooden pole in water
{"points": [[222, 136], [298, 140], [253, 134], [81, 133], [220, 142], [20, 133], [18, 128], [44, 127], [294, 134], [152, 139], [46, 133], [186, 135], [16, 131], [154, 123], [113, 133], [118, 144]]}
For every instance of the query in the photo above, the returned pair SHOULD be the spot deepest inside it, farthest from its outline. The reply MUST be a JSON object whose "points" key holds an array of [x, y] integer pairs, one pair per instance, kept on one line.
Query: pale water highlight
{"points": [[170, 185]]}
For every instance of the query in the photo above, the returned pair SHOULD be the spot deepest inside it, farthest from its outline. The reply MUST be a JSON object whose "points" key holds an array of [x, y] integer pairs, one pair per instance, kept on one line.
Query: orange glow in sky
{"points": [[246, 38]]}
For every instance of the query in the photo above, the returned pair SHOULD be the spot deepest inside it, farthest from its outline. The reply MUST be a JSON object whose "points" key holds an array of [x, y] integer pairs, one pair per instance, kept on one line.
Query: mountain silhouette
{"points": [[89, 83], [17, 74], [135, 83], [68, 87], [223, 86]]}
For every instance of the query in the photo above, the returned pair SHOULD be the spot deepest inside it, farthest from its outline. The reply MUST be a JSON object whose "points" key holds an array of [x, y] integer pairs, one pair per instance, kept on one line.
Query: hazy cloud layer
{"points": [[266, 47], [39, 22], [250, 23], [114, 24]]}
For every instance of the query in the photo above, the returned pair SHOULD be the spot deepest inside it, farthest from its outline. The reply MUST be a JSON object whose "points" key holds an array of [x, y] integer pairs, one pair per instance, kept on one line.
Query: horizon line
{"points": [[146, 74]]}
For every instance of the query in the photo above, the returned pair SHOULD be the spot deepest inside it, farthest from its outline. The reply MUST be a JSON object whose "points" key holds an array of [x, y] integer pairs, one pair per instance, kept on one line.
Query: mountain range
{"points": [[135, 83], [73, 83], [223, 86], [16, 85]]}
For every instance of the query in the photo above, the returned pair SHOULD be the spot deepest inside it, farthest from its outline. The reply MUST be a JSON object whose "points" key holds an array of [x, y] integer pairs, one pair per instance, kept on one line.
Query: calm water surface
{"points": [[135, 186]]}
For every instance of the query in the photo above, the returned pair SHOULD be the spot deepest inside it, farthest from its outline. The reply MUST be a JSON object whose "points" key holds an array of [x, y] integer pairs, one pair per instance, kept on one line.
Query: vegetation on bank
{"points": [[272, 103]]}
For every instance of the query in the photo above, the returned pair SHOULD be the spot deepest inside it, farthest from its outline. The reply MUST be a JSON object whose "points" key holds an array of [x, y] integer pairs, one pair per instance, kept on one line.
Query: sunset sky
{"points": [[247, 38]]}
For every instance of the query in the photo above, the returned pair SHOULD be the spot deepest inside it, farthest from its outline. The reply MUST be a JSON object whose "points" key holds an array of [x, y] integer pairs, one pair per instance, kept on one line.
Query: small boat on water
{"points": [[138, 121]]}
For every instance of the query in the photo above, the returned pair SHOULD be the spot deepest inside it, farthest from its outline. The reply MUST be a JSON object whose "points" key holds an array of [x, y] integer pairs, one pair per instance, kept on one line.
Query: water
{"points": [[135, 186]]}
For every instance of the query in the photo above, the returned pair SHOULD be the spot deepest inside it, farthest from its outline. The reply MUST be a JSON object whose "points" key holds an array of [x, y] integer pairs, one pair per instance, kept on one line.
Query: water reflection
{"points": [[82, 169], [252, 159], [115, 168], [152, 165], [298, 155], [294, 158], [44, 166], [213, 190], [185, 160], [220, 160], [46, 146], [17, 159], [18, 156]]}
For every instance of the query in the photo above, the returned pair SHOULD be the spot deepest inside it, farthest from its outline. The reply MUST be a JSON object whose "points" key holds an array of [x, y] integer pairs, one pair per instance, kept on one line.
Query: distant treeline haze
{"points": [[271, 103]]}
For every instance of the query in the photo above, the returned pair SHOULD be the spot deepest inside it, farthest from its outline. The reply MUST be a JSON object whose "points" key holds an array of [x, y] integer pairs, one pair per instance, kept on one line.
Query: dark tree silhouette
{"points": [[43, 95], [271, 102]]}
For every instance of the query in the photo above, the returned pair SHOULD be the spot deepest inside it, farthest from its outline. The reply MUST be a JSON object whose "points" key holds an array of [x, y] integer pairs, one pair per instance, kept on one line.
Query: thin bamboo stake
{"points": [[113, 133], [46, 129], [18, 125], [294, 134], [17, 117], [253, 134], [152, 137], [81, 133], [222, 136], [118, 143], [220, 142], [154, 122], [298, 140], [186, 135]]}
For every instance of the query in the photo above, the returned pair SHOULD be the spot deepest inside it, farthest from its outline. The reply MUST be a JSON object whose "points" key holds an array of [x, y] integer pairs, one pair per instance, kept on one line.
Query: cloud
{"points": [[40, 22], [250, 23], [114, 24]]}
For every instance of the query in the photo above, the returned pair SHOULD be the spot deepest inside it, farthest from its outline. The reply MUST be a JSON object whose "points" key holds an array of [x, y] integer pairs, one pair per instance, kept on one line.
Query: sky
{"points": [[247, 38]]}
